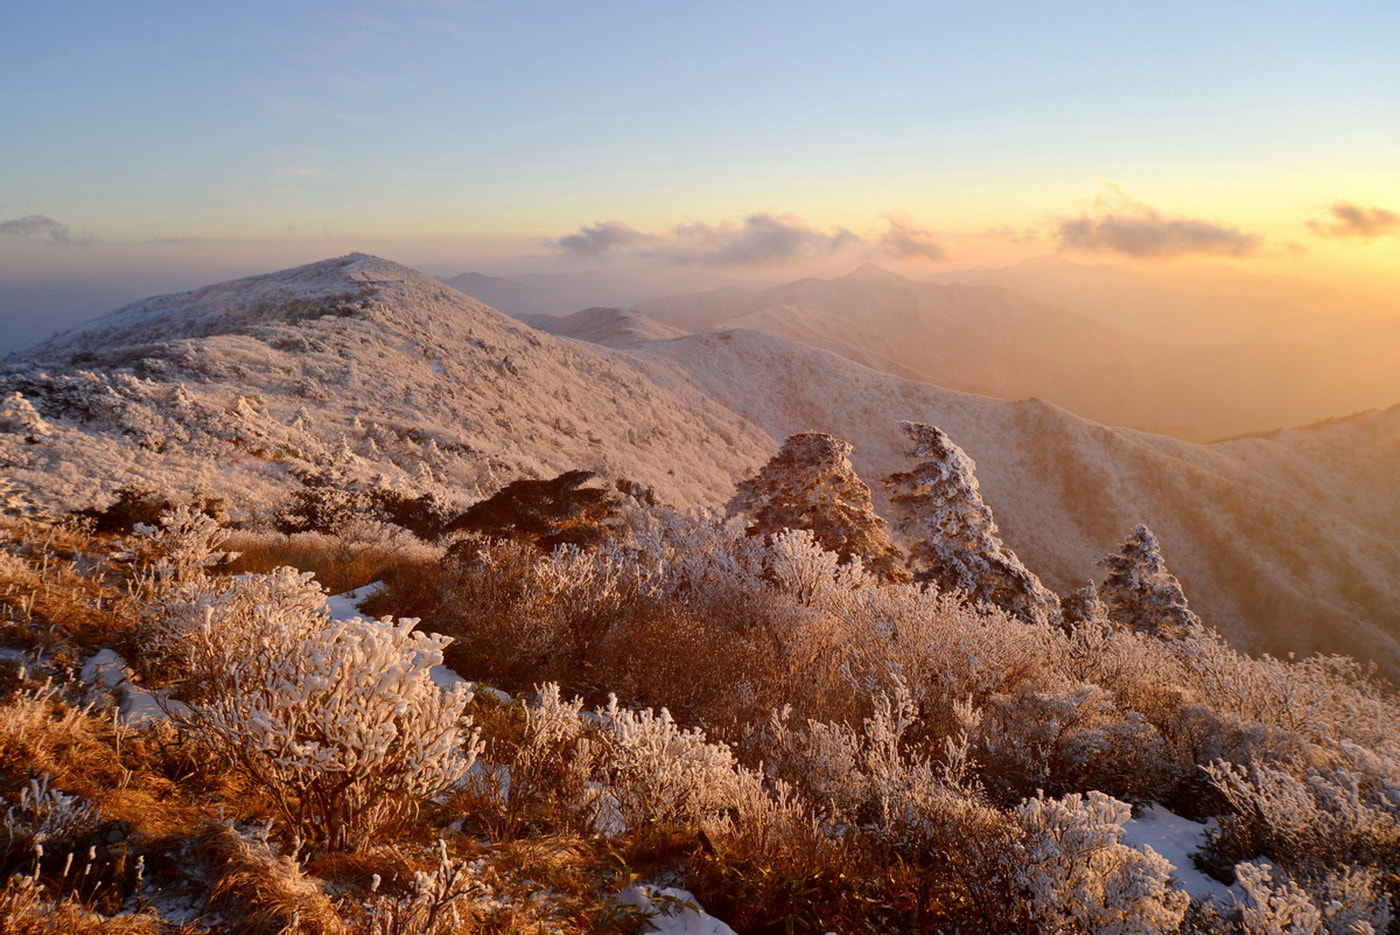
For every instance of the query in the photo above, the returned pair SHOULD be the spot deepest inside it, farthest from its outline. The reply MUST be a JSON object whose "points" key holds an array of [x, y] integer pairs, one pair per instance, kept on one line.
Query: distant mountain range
{"points": [[1285, 542], [1199, 362]]}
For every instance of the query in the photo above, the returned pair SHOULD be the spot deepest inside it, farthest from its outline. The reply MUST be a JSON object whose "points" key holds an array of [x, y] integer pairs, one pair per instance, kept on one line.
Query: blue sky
{"points": [[461, 133]]}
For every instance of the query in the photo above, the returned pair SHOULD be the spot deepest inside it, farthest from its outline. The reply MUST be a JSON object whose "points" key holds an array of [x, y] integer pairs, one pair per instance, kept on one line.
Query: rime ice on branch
{"points": [[938, 504], [810, 484]]}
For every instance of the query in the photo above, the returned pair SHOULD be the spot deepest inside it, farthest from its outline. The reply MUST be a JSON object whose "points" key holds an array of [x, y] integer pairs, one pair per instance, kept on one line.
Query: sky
{"points": [[174, 143]]}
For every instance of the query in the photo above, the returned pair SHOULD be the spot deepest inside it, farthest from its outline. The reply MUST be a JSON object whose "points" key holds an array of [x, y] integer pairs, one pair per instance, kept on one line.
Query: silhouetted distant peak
{"points": [[869, 272]]}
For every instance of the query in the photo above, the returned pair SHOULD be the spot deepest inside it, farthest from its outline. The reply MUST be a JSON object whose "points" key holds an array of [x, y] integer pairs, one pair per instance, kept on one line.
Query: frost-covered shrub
{"points": [[1079, 876], [197, 628], [1335, 902], [535, 762], [1345, 814], [180, 549], [1070, 738], [438, 903], [524, 617], [19, 416], [799, 566], [655, 771], [43, 815], [343, 726], [1274, 907]]}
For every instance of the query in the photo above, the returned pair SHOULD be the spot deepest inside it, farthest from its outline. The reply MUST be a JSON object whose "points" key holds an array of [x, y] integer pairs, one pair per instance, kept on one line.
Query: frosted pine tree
{"points": [[810, 484], [938, 504], [19, 416], [1140, 593], [1084, 607]]}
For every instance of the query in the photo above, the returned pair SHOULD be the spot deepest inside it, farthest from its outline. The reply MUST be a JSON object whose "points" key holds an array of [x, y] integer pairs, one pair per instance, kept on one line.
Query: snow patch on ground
{"points": [[347, 606], [673, 911], [1176, 839], [106, 669]]}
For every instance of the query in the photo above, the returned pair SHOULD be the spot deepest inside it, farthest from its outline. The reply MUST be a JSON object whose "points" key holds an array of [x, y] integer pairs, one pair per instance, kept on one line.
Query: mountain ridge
{"points": [[1283, 543]]}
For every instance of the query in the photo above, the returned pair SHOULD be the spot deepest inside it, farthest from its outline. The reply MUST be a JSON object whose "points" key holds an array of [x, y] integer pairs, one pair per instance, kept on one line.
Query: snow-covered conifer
{"points": [[19, 416], [1140, 593], [810, 484], [1084, 607], [939, 505]]}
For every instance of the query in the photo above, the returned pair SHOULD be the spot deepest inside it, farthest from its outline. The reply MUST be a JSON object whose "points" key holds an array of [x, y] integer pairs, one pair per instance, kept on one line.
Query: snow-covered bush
{"points": [[197, 628], [180, 549], [342, 726], [535, 763], [436, 905], [1079, 876], [18, 415], [44, 814], [1067, 738], [1335, 831], [656, 771], [800, 567]]}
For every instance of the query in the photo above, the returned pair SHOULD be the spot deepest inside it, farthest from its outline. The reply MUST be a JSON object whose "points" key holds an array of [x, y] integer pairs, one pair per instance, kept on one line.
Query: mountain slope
{"points": [[983, 337], [1264, 555], [360, 365], [357, 363]]}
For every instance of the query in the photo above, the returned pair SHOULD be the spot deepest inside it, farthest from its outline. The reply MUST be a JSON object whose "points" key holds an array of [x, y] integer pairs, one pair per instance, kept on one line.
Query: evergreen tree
{"points": [[545, 513], [1083, 607], [1141, 593], [810, 484], [938, 504]]}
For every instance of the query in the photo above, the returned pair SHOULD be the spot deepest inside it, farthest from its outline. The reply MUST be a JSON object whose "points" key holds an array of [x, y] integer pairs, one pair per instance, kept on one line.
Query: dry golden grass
{"points": [[257, 891], [57, 593], [25, 909], [340, 564]]}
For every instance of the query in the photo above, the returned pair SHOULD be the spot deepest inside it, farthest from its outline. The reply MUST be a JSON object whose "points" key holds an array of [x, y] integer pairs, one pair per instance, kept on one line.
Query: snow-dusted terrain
{"points": [[1284, 542], [355, 363], [1218, 362]]}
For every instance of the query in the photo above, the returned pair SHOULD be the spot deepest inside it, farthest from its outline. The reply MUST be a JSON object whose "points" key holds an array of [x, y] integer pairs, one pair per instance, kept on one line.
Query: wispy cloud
{"points": [[761, 239], [1349, 220], [604, 237], [41, 229], [1131, 228], [905, 241]]}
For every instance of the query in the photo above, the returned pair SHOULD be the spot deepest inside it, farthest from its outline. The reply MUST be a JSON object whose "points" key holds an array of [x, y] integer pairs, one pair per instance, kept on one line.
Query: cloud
{"points": [[1136, 230], [37, 227], [1349, 220], [905, 241], [762, 239], [602, 238]]}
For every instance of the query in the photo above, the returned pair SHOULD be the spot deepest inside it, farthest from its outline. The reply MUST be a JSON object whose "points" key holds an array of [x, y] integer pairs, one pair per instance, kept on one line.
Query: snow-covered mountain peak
{"points": [[356, 285], [612, 327]]}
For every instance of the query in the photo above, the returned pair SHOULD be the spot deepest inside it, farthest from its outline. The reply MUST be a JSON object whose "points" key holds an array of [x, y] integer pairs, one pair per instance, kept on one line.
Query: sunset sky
{"points": [[201, 139]]}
